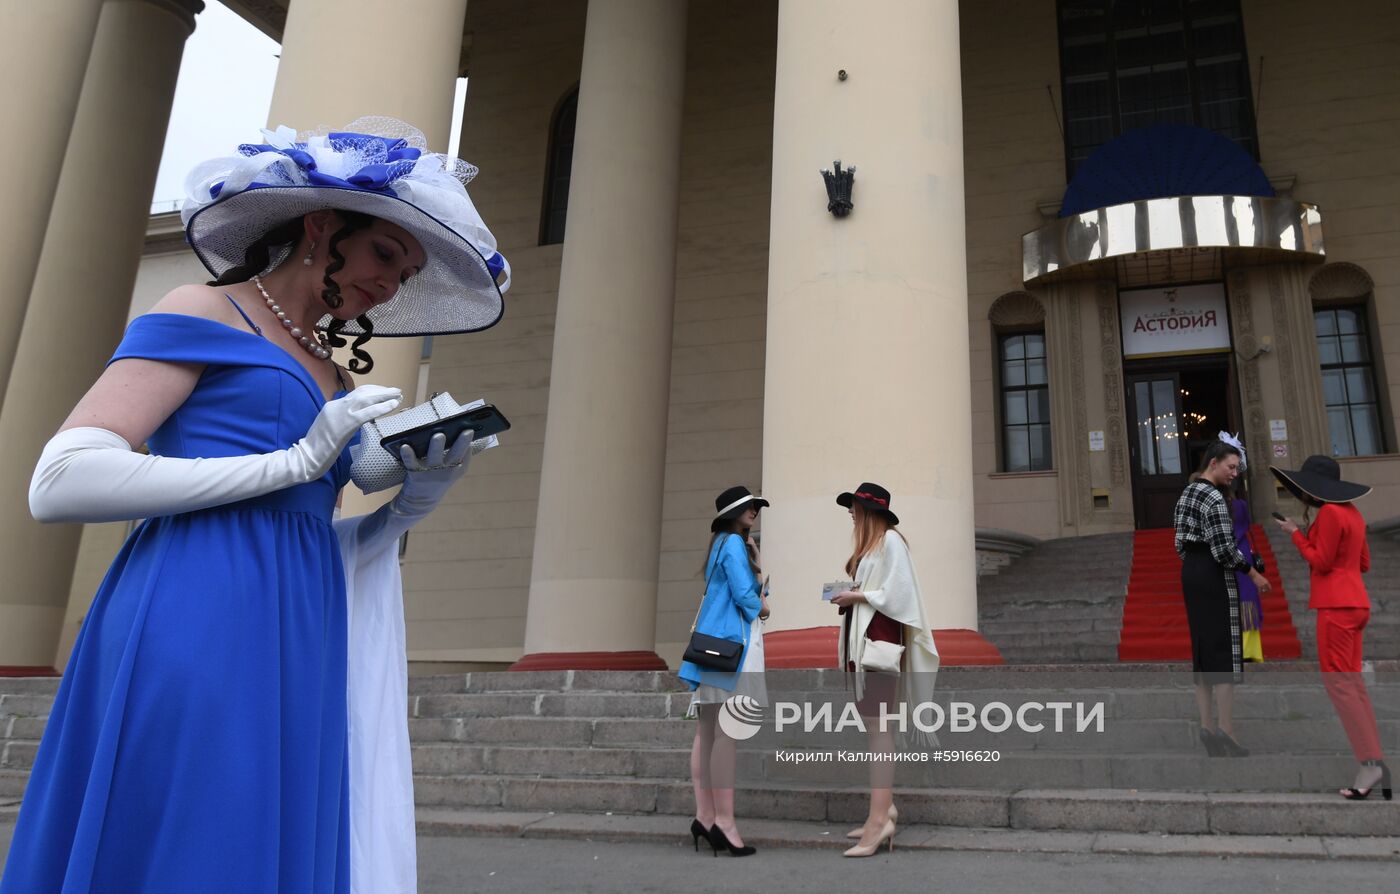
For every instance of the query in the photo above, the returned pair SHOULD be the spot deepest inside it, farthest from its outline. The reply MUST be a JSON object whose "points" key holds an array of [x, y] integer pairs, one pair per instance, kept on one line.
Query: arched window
{"points": [[561, 157], [1023, 383], [1342, 315]]}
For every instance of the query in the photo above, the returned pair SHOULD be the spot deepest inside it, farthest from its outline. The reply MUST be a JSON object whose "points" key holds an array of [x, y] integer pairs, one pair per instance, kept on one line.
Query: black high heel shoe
{"points": [[1228, 746], [698, 831], [1361, 794], [1212, 743], [719, 840]]}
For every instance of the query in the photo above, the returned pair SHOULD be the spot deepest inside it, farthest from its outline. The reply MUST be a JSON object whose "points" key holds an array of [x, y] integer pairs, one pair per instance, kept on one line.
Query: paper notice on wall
{"points": [[1278, 429], [1096, 441]]}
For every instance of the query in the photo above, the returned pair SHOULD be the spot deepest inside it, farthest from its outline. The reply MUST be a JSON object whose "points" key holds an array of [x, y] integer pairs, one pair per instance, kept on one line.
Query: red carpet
{"points": [[1154, 614]]}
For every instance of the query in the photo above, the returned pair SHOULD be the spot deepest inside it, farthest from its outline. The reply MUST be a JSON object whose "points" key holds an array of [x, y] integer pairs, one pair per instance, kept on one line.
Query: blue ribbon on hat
{"points": [[399, 159], [496, 265]]}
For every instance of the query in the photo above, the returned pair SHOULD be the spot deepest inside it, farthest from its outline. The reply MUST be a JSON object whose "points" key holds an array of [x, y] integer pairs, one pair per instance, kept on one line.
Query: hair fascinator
{"points": [[1234, 441], [375, 166]]}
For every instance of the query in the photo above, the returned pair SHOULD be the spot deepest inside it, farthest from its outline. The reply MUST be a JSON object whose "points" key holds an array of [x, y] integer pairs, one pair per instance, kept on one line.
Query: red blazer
{"points": [[1335, 547]]}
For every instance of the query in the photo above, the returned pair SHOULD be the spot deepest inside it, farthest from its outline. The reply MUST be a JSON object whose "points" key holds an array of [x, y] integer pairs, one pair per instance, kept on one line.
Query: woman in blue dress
{"points": [[200, 738]]}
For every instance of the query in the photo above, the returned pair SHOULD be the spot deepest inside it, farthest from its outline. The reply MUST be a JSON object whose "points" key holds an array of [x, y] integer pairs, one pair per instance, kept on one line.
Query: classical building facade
{"points": [[1086, 236]]}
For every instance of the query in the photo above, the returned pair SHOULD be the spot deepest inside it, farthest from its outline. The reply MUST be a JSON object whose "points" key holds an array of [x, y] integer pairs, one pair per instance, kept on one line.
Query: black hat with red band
{"points": [[871, 496]]}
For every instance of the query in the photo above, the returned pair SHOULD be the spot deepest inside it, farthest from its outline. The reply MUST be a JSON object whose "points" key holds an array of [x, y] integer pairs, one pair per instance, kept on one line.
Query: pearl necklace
{"points": [[315, 346]]}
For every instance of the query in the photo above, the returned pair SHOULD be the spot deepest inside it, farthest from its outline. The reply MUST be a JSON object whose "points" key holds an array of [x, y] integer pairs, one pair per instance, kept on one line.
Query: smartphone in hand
{"points": [[483, 421]]}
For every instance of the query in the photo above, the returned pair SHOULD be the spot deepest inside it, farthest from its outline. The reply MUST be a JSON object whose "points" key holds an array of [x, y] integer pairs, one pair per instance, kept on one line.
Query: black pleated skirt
{"points": [[1214, 627]]}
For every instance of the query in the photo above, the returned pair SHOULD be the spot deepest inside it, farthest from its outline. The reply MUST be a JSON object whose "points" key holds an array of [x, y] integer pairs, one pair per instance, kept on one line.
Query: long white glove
{"points": [[92, 474], [427, 482]]}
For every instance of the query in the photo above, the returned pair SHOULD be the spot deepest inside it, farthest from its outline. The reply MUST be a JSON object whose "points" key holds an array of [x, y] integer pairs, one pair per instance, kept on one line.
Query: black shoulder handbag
{"points": [[711, 652]]}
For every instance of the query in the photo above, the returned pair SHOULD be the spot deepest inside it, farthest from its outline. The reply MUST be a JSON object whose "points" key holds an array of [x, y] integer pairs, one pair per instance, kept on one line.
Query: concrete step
{"points": [[1139, 772], [670, 829], [1262, 701], [1118, 737], [1069, 615], [1064, 653], [1098, 576], [1148, 690], [552, 704], [29, 685], [1022, 640], [555, 731], [22, 727], [544, 681], [1033, 809], [1051, 625], [22, 704], [18, 754], [1040, 592], [1182, 771]]}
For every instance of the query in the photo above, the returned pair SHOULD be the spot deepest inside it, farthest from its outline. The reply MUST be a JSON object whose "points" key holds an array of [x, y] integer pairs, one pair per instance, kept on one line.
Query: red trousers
{"points": [[1339, 655]]}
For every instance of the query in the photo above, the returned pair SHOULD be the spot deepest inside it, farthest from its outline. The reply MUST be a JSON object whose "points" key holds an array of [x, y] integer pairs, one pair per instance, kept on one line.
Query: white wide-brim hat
{"points": [[376, 166]]}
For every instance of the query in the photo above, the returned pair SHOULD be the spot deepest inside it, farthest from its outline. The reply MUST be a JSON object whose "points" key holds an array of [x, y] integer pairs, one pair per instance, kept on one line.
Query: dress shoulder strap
{"points": [[246, 319]]}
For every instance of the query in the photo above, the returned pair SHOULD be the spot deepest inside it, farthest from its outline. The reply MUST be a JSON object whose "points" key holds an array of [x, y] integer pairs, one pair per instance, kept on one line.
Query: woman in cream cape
{"points": [[884, 606]]}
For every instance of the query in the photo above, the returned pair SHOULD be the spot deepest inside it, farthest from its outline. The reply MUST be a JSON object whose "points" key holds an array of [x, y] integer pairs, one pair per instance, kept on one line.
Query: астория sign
{"points": [[1176, 320]]}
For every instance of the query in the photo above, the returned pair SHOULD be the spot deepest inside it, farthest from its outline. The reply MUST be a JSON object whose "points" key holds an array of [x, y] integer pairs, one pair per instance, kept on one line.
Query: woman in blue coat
{"points": [[734, 608]]}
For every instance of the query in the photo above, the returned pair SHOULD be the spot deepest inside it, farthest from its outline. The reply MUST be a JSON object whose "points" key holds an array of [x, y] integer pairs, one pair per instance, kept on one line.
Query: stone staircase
{"points": [[1060, 602], [618, 742]]}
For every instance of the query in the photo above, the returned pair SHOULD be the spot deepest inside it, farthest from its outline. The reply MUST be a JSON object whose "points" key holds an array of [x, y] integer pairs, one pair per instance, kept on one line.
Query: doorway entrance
{"points": [[1176, 407]]}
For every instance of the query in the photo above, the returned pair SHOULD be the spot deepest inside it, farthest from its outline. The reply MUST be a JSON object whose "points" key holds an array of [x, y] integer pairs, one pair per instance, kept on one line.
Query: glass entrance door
{"points": [[1157, 447]]}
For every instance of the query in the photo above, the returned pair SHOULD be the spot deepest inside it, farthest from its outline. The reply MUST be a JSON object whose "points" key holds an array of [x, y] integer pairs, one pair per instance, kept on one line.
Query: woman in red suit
{"points": [[1337, 555]]}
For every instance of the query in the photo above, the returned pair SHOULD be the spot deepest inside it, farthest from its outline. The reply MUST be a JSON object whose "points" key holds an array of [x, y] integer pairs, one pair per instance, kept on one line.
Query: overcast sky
{"points": [[222, 98]]}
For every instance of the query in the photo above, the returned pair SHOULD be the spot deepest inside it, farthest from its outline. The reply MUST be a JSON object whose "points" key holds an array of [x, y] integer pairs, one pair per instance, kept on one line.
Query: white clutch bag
{"points": [[878, 655], [373, 468]]}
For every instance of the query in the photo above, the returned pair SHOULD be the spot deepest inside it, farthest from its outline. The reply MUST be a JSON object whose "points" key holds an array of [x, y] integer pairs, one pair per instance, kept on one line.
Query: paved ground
{"points": [[485, 866], [583, 853]]}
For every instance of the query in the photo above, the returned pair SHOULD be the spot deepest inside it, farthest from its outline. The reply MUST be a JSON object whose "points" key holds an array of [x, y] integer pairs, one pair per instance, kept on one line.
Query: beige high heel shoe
{"points": [[860, 830], [886, 834]]}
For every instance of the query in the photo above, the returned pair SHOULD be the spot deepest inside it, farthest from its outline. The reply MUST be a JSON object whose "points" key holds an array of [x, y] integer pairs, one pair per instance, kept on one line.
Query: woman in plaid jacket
{"points": [[1205, 541]]}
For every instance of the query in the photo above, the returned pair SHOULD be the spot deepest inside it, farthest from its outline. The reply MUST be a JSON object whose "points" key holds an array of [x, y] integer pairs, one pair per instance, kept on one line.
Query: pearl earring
{"points": [[307, 260]]}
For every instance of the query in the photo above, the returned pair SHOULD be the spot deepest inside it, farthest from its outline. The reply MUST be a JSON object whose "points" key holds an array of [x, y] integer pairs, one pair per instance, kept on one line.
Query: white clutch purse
{"points": [[373, 468], [878, 655]]}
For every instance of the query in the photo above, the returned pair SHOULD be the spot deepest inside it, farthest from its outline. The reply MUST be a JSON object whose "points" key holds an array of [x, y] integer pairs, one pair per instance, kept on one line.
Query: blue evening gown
{"points": [[198, 739]]}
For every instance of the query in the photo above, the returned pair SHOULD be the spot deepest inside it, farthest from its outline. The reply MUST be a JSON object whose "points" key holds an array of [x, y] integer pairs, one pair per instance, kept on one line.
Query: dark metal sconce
{"points": [[838, 189]]}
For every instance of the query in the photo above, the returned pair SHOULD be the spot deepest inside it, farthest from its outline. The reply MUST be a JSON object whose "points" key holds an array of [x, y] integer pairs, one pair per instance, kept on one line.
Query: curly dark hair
{"points": [[362, 362], [258, 258]]}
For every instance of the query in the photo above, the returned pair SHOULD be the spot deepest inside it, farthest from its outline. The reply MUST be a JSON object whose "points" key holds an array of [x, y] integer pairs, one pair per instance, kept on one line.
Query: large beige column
{"points": [[867, 370], [82, 292], [594, 577], [344, 59], [44, 49]]}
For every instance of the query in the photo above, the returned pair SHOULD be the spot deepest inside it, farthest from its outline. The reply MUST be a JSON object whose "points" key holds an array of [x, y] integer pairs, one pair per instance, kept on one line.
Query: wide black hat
{"points": [[1320, 480], [872, 497], [732, 502]]}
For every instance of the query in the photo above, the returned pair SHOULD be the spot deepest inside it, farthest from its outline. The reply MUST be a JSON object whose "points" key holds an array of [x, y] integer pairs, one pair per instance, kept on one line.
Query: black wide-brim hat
{"points": [[1320, 480], [732, 502], [873, 497]]}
